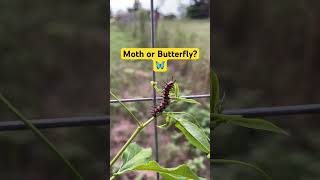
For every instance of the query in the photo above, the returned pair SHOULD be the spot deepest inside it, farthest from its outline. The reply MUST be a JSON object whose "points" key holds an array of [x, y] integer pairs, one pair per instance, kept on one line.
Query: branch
{"points": [[130, 113], [40, 136]]}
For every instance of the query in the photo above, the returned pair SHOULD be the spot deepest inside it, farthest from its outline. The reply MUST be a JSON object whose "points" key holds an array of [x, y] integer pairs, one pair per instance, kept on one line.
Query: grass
{"points": [[132, 79], [170, 33]]}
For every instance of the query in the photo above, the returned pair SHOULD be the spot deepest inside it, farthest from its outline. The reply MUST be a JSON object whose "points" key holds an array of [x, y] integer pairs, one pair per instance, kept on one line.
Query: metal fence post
{"points": [[153, 42]]}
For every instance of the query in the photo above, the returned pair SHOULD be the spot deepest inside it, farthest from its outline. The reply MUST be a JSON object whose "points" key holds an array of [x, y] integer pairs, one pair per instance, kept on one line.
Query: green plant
{"points": [[217, 118], [42, 137], [136, 158]]}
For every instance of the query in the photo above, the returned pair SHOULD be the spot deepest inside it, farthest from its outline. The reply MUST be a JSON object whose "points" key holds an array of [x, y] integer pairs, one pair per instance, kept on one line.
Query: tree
{"points": [[198, 10]]}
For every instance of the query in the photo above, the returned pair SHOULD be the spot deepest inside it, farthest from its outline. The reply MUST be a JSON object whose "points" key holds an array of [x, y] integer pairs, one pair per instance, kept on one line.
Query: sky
{"points": [[168, 6]]}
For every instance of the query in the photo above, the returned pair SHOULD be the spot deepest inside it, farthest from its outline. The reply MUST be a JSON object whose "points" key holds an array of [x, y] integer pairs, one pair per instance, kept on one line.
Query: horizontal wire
{"points": [[57, 122], [276, 111], [105, 120], [159, 98]]}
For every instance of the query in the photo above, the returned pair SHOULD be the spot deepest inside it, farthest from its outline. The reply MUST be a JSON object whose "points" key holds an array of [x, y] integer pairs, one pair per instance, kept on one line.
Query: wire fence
{"points": [[103, 120], [154, 99]]}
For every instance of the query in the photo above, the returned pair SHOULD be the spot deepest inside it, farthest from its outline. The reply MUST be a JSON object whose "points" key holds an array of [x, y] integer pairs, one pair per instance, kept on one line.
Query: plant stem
{"points": [[112, 177], [41, 136], [127, 109], [226, 161], [135, 133]]}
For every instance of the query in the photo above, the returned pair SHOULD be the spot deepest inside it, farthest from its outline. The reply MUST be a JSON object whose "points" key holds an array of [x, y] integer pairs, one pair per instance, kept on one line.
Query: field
{"points": [[132, 79]]}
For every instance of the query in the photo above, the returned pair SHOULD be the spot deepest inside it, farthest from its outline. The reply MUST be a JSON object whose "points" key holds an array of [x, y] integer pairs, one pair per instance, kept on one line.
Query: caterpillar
{"points": [[165, 99]]}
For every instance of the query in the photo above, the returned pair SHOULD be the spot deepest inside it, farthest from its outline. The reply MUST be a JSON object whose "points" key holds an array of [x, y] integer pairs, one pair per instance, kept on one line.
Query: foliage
{"points": [[260, 64], [132, 157], [135, 158], [194, 134], [217, 118], [170, 33], [134, 82], [41, 137], [198, 10]]}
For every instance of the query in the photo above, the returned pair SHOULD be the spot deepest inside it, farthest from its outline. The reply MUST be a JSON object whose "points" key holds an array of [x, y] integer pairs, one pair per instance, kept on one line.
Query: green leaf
{"points": [[192, 101], [176, 115], [177, 173], [168, 176], [155, 86], [176, 89], [169, 121], [163, 126], [215, 94], [134, 156], [253, 123], [195, 135], [225, 161]]}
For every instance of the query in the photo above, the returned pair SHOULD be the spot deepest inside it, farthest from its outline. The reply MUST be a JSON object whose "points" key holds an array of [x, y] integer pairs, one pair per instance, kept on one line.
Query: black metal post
{"points": [[153, 42]]}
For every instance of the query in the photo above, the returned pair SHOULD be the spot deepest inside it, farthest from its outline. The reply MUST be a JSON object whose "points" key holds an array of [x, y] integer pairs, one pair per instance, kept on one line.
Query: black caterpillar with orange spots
{"points": [[165, 99]]}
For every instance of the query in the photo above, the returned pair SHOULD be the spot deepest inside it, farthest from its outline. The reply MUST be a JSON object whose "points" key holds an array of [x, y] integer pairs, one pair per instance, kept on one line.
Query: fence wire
{"points": [[159, 98], [153, 43], [103, 120]]}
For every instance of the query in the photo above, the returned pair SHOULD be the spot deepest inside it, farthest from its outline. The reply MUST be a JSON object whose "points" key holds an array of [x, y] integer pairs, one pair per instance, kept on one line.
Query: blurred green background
{"points": [[267, 54], [52, 65], [130, 27]]}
